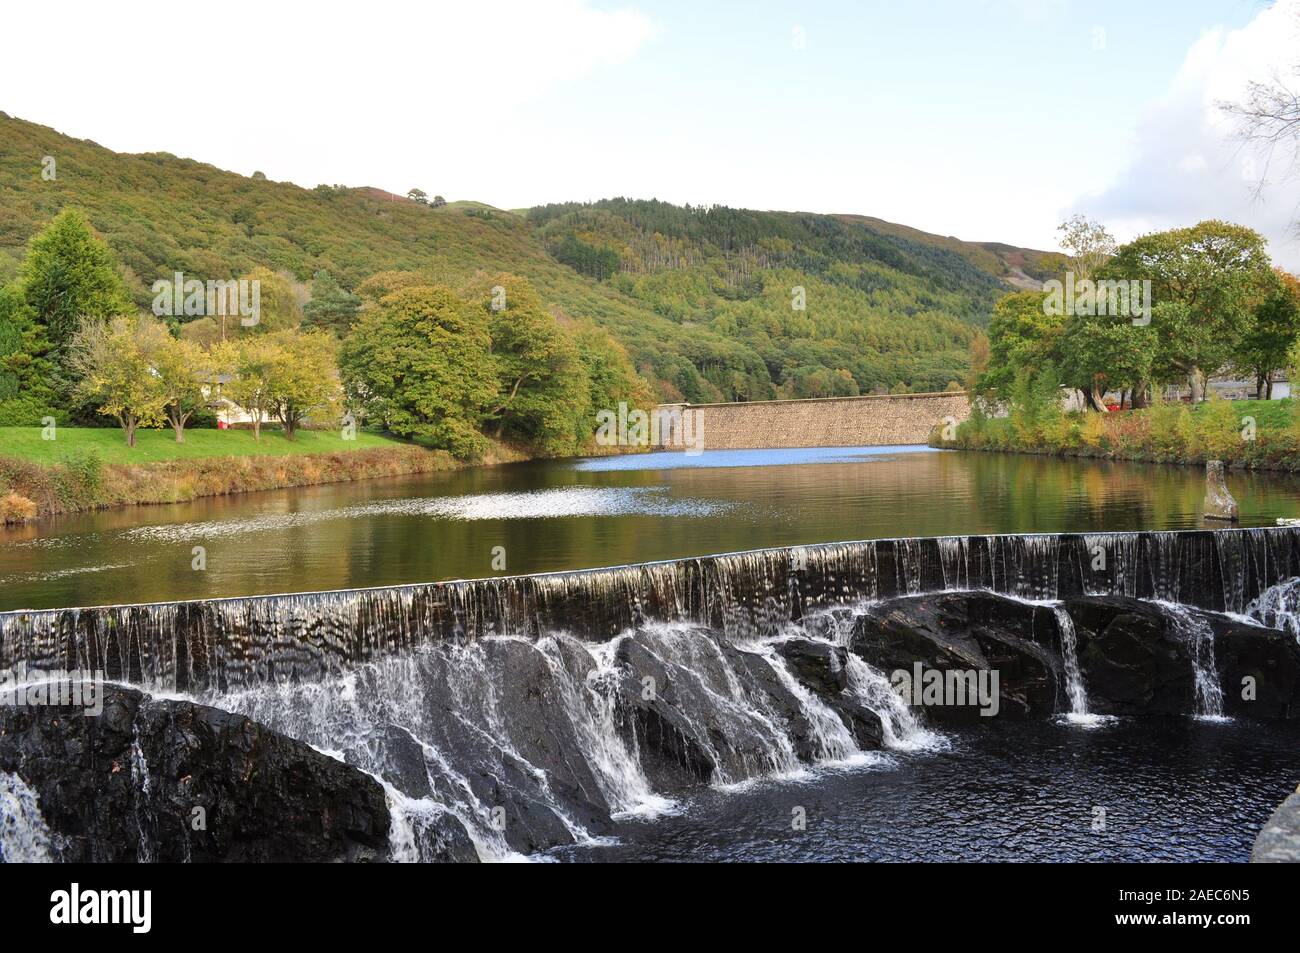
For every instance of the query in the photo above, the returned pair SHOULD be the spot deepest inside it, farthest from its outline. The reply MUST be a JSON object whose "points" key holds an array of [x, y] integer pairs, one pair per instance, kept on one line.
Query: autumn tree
{"points": [[1087, 243], [246, 370], [116, 361], [303, 380], [181, 367]]}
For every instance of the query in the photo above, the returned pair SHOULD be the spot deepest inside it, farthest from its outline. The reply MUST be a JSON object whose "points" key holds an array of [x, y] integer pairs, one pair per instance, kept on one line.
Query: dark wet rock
{"points": [[1268, 658], [653, 724], [965, 631], [1135, 660], [404, 756], [133, 784], [822, 668], [443, 839], [1132, 659]]}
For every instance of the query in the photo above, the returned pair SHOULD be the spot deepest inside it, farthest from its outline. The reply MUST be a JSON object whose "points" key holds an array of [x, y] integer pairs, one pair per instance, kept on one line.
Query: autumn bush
{"points": [[1250, 434]]}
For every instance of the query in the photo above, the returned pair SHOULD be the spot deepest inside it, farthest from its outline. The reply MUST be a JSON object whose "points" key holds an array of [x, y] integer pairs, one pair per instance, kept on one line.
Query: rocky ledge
{"points": [[167, 780], [1135, 657]]}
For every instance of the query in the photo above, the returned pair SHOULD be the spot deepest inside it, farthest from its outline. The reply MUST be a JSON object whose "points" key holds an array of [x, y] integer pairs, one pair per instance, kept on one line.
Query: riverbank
{"points": [[88, 469], [1249, 434]]}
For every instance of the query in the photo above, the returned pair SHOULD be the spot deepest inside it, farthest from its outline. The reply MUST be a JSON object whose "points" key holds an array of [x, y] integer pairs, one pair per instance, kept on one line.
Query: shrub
{"points": [[16, 508]]}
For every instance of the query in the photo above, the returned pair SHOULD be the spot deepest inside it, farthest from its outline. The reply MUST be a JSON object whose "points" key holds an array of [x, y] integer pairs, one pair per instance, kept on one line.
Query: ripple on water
{"points": [[537, 504]]}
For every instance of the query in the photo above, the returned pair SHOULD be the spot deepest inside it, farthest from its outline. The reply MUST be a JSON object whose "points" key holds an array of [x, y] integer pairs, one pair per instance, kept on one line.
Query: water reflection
{"points": [[563, 515]]}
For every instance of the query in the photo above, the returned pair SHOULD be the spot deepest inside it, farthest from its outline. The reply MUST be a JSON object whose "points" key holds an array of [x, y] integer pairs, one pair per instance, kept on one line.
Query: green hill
{"points": [[702, 298]]}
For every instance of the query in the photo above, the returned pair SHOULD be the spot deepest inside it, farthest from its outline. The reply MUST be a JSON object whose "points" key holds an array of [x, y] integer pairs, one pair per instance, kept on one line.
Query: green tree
{"points": [[1269, 333], [27, 394], [1102, 353], [611, 378], [115, 361], [542, 386], [417, 363], [1022, 337], [1211, 277], [332, 307], [69, 275]]}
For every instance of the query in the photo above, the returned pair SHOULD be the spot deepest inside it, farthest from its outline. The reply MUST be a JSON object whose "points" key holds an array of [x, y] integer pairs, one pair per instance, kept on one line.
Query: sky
{"points": [[983, 119]]}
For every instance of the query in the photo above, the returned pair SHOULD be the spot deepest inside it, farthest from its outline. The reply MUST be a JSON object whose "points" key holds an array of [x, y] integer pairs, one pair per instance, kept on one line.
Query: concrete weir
{"points": [[223, 644]]}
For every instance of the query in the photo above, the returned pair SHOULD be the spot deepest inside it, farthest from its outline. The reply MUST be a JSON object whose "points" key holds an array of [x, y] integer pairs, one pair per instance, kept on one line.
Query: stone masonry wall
{"points": [[891, 420]]}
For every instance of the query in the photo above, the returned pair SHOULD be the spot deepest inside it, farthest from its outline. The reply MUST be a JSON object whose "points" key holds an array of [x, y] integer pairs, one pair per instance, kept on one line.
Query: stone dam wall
{"points": [[885, 420]]}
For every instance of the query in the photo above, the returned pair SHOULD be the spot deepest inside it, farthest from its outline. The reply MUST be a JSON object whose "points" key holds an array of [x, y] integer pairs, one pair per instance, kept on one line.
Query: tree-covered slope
{"points": [[703, 299]]}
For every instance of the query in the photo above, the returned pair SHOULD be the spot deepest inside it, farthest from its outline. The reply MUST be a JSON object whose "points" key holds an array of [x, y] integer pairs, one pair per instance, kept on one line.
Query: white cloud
{"points": [[1188, 164]]}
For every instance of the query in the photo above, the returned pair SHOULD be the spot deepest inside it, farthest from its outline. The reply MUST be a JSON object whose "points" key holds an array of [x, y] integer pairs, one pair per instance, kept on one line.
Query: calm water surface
{"points": [[569, 514]]}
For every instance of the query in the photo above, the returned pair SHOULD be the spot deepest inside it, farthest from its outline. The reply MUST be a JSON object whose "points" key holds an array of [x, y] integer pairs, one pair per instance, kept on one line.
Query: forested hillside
{"points": [[706, 301]]}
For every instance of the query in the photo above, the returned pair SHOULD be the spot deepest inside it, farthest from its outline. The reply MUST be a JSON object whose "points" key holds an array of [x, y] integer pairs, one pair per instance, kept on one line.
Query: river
{"points": [[572, 514]]}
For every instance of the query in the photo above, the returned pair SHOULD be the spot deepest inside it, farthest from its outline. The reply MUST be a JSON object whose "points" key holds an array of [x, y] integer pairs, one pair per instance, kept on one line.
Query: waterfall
{"points": [[1278, 607], [831, 738], [456, 730], [1070, 657], [1199, 638], [566, 700], [903, 730], [24, 838], [590, 701]]}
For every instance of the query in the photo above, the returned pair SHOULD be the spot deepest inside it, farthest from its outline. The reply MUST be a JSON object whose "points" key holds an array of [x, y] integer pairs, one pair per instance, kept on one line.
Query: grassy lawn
{"points": [[155, 445]]}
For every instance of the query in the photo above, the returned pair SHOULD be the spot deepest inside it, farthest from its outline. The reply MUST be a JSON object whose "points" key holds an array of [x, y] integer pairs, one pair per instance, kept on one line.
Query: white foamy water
{"points": [[1074, 686], [1198, 635], [24, 837]]}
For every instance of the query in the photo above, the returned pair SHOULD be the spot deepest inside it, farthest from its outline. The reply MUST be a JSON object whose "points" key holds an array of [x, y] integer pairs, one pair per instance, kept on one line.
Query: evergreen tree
{"points": [[332, 307]]}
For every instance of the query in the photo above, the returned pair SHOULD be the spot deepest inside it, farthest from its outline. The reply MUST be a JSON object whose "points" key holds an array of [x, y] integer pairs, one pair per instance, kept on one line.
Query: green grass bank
{"points": [[87, 468]]}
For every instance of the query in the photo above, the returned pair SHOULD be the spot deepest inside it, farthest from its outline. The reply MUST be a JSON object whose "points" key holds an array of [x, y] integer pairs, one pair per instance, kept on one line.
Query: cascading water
{"points": [[24, 838], [903, 731], [574, 698], [1070, 658], [1199, 638], [240, 643], [544, 727], [1278, 607]]}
